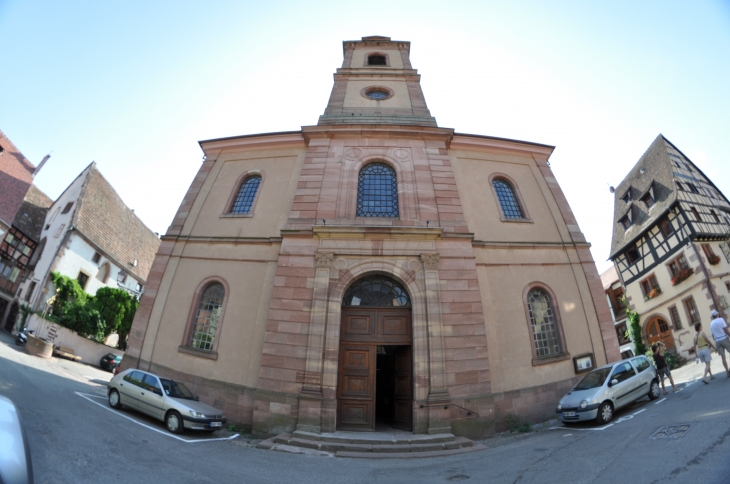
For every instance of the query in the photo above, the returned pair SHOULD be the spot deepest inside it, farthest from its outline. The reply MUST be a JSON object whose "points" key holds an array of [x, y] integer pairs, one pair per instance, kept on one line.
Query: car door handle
{"points": [[141, 393]]}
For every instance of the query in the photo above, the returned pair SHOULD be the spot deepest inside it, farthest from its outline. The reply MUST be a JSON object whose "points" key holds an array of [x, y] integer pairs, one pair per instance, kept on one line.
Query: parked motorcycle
{"points": [[22, 337]]}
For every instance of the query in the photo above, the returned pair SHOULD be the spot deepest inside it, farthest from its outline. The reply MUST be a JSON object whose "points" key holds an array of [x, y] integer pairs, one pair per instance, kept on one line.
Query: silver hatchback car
{"points": [[164, 399], [606, 389]]}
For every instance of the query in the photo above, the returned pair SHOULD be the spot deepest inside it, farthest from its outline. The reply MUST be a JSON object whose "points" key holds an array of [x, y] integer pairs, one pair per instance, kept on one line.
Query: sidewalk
{"points": [[693, 371]]}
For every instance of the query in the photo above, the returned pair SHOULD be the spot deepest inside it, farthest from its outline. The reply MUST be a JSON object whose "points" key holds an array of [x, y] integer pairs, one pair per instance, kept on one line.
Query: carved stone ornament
{"points": [[430, 261], [323, 260]]}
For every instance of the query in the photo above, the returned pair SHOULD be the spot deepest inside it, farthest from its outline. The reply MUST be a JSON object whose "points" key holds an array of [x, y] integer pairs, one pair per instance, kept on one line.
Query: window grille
{"points": [[542, 319], [207, 316], [376, 291], [507, 199], [725, 248], [377, 191], [246, 195]]}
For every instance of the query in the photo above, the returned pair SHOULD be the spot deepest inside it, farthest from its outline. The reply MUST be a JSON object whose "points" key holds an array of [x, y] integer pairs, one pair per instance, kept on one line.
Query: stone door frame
{"points": [[334, 274]]}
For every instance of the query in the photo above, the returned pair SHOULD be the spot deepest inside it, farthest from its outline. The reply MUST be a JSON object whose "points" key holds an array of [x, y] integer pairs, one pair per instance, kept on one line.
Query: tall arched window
{"points": [[207, 317], [543, 322], [507, 199], [103, 274], [377, 191], [246, 195]]}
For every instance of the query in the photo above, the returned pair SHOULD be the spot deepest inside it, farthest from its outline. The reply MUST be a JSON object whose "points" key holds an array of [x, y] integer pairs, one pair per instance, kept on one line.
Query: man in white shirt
{"points": [[719, 330]]}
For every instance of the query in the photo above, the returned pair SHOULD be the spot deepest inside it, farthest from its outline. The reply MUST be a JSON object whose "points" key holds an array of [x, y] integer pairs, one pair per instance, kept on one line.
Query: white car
{"points": [[164, 399], [604, 390]]}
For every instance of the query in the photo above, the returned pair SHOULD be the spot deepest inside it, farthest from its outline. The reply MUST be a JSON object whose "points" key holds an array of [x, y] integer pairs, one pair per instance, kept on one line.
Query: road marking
{"points": [[567, 435], [86, 397], [573, 428], [660, 401], [642, 410]]}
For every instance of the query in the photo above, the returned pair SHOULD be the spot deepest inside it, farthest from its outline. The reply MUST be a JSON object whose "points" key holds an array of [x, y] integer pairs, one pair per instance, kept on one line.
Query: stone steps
{"points": [[372, 445]]}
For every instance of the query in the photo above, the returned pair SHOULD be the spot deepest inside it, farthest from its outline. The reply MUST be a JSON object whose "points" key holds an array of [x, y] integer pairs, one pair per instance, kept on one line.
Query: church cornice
{"points": [[377, 131], [384, 232], [470, 142], [282, 139]]}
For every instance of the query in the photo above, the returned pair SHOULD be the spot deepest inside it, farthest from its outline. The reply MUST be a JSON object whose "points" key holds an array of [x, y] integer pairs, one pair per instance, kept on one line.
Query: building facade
{"points": [[617, 304], [22, 211], [90, 235], [374, 269], [670, 245]]}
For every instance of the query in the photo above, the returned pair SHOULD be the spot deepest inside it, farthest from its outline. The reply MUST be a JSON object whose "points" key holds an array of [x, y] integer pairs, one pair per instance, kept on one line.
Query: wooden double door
{"points": [[375, 376], [658, 330]]}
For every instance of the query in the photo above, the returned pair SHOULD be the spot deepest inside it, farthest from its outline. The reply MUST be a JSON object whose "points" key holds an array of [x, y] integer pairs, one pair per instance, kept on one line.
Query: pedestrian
{"points": [[721, 335], [661, 365], [702, 350]]}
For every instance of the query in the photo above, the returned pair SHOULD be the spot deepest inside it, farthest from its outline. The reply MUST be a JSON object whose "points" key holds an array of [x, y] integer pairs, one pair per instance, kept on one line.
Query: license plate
{"points": [[216, 424], [568, 414]]}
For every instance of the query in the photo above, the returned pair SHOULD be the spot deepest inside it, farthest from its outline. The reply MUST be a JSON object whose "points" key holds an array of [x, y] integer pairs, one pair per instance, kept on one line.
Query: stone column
{"points": [[310, 398], [439, 421]]}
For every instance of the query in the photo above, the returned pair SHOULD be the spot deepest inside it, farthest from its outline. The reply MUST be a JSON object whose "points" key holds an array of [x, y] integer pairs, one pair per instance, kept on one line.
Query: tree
{"points": [[635, 329]]}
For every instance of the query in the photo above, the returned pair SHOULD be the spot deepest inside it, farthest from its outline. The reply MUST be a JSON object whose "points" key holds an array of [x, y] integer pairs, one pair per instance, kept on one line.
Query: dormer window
{"points": [[377, 60], [625, 222], [627, 197], [648, 200]]}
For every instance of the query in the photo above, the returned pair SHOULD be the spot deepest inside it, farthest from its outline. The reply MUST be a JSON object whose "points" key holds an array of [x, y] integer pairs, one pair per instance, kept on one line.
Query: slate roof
{"points": [[16, 176], [105, 220], [658, 172], [32, 213]]}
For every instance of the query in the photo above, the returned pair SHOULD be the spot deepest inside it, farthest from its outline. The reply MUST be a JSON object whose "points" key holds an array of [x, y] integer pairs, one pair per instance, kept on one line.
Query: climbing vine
{"points": [[635, 329]]}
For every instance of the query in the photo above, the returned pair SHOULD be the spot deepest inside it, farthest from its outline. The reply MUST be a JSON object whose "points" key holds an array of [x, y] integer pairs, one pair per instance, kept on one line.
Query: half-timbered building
{"points": [[670, 245]]}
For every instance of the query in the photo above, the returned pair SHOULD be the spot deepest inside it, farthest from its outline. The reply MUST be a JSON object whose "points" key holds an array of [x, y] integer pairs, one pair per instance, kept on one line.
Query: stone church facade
{"points": [[374, 270]]}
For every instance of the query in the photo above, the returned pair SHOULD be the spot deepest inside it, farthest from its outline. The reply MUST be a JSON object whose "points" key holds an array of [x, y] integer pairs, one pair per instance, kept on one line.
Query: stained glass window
{"points": [[376, 291], [377, 191], [207, 316], [542, 318], [506, 195], [377, 94], [246, 195]]}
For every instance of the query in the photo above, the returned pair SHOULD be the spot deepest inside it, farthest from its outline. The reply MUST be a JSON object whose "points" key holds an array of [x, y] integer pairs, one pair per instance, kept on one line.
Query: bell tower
{"points": [[377, 85]]}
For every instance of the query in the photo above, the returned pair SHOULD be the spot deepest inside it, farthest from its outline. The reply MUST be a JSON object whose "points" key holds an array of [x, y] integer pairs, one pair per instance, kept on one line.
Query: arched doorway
{"points": [[657, 329], [375, 372]]}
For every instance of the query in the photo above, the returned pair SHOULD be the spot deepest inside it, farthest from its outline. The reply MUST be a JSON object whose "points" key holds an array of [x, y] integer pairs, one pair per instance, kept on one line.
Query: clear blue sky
{"points": [[134, 85]]}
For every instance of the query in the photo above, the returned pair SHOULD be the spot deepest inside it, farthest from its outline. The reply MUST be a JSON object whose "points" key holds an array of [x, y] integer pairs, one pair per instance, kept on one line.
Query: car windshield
{"points": [[593, 379], [176, 390]]}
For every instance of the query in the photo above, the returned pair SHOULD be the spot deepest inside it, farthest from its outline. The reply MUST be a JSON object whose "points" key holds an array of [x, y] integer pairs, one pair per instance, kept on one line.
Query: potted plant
{"points": [[713, 259], [683, 274]]}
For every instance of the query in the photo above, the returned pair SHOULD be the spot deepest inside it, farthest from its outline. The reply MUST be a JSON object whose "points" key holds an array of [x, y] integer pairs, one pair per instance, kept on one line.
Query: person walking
{"points": [[721, 335], [702, 350], [661, 365]]}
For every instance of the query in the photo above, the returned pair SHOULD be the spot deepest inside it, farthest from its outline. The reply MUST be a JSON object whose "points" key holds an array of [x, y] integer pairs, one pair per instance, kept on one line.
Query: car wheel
{"points": [[654, 390], [174, 422], [605, 413], [114, 400]]}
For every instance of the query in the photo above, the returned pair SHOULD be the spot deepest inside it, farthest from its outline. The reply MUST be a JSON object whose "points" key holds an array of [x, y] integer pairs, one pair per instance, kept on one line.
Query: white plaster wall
{"points": [[89, 351], [54, 219]]}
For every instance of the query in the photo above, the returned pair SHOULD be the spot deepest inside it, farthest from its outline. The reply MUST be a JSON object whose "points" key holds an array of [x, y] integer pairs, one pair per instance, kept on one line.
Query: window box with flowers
{"points": [[682, 275], [652, 294], [713, 259]]}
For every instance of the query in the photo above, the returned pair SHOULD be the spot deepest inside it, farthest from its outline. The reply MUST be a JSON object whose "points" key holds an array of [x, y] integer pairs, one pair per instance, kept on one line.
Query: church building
{"points": [[374, 271]]}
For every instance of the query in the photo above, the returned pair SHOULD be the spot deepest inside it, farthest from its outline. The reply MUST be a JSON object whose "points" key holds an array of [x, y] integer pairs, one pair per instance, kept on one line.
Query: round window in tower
{"points": [[377, 93]]}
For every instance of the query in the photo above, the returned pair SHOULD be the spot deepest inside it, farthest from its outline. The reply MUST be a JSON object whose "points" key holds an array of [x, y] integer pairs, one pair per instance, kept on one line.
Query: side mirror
{"points": [[614, 382]]}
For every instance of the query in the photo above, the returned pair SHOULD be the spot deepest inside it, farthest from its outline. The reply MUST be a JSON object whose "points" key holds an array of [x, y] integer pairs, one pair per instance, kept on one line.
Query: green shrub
{"points": [[516, 424], [635, 329], [96, 317]]}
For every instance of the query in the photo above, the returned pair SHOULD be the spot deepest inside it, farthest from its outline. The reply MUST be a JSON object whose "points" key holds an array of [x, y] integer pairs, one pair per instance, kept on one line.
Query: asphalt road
{"points": [[76, 438]]}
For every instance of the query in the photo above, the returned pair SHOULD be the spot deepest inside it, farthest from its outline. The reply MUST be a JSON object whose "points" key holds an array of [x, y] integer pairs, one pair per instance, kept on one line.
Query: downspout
{"points": [[707, 277]]}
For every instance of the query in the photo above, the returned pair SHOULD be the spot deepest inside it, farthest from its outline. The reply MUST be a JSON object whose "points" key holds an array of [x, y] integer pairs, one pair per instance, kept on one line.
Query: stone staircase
{"points": [[372, 445]]}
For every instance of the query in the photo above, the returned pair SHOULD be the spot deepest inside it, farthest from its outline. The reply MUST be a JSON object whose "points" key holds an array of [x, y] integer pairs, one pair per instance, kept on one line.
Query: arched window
{"points": [[376, 291], [545, 334], [507, 199], [207, 317], [377, 191], [246, 195], [103, 274]]}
